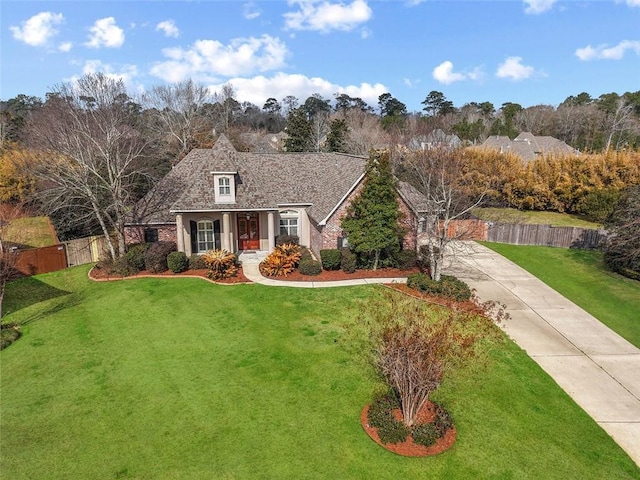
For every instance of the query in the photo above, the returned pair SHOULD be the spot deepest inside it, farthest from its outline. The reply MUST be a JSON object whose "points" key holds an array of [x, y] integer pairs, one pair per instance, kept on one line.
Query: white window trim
{"points": [[221, 197], [205, 242], [289, 216]]}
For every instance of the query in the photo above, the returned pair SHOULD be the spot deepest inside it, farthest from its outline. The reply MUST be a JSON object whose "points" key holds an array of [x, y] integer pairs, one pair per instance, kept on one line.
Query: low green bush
{"points": [[196, 262], [407, 259], [134, 257], [284, 239], [305, 253], [349, 261], [155, 258], [331, 259], [448, 286], [177, 262], [309, 266]]}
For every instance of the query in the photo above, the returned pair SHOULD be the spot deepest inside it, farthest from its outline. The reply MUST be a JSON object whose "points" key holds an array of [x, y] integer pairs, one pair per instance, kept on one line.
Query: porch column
{"points": [[179, 233], [226, 232], [271, 231]]}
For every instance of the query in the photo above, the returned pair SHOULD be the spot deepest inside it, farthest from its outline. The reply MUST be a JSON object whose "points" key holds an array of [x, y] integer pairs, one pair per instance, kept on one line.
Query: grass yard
{"points": [[582, 277], [511, 215], [31, 232], [182, 379]]}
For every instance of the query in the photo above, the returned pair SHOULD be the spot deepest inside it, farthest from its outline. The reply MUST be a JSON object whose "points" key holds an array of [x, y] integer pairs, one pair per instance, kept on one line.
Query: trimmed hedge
{"points": [[134, 258], [155, 259], [448, 286], [309, 266], [177, 262], [331, 259], [407, 259]]}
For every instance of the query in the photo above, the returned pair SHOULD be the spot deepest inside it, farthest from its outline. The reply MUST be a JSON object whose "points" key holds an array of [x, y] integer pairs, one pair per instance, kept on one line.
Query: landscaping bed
{"points": [[103, 275], [336, 275]]}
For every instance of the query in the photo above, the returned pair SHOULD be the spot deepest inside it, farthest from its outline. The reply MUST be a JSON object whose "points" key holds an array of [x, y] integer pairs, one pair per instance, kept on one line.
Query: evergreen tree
{"points": [[372, 220], [337, 137], [299, 131]]}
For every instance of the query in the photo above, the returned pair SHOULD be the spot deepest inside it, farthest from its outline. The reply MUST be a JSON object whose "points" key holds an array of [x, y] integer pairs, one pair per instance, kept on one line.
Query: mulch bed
{"points": [[409, 448], [102, 276], [335, 275]]}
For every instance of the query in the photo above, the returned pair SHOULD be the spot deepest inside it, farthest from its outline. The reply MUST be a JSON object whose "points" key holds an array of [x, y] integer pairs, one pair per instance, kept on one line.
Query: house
{"points": [[220, 198], [528, 146]]}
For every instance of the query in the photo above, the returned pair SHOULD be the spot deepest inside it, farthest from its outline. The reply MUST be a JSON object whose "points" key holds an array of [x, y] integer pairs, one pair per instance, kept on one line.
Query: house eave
{"points": [[353, 187]]}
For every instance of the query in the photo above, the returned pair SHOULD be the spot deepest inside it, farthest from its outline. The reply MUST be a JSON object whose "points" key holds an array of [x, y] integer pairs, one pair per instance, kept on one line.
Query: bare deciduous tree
{"points": [[93, 152], [178, 115], [438, 173], [8, 255]]}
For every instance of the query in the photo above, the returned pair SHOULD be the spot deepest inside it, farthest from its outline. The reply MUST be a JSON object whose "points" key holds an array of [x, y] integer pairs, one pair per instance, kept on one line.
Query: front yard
{"points": [[182, 379]]}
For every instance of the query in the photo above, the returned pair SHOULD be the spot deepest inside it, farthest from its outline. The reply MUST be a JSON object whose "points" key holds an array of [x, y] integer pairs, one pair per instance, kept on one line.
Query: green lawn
{"points": [[581, 276], [31, 232], [511, 215], [182, 379]]}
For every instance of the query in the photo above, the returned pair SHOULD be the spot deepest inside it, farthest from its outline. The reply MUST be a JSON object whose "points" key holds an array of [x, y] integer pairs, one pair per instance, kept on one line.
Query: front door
{"points": [[248, 231]]}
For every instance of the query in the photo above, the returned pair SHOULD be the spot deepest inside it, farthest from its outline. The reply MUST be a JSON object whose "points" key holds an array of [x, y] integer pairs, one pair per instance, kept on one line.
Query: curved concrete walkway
{"points": [[599, 369]]}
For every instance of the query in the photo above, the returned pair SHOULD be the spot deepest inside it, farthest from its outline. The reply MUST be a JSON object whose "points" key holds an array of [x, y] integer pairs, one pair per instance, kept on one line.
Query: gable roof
{"points": [[266, 181]]}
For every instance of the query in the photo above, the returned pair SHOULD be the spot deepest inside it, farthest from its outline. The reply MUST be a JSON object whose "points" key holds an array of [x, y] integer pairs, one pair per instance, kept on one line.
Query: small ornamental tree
{"points": [[372, 222]]}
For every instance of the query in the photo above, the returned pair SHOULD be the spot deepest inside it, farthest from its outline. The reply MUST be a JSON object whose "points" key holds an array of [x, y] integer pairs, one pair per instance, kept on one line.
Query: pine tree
{"points": [[298, 131], [372, 222]]}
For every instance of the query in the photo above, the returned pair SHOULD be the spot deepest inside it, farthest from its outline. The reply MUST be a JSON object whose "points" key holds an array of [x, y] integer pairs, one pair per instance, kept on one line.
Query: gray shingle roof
{"points": [[528, 146], [263, 181]]}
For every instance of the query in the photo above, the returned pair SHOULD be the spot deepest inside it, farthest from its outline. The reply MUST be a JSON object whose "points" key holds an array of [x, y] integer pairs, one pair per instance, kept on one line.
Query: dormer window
{"points": [[225, 188]]}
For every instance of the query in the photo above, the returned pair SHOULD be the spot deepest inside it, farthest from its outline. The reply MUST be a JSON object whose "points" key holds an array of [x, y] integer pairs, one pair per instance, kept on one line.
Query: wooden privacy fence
{"points": [[567, 237], [516, 234], [86, 250], [41, 260]]}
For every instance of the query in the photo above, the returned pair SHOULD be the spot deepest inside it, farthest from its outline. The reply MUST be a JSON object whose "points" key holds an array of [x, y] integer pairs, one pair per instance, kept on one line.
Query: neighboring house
{"points": [[435, 139], [528, 146], [220, 198]]}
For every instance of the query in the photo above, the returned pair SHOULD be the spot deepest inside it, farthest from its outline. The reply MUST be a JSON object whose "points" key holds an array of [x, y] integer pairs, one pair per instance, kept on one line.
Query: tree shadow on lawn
{"points": [[26, 291]]}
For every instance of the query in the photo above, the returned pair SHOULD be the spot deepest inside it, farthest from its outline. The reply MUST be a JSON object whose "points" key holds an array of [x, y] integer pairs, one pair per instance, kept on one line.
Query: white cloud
{"points": [[168, 27], [514, 69], [633, 3], [65, 46], [105, 33], [250, 11], [38, 29], [326, 16], [602, 52], [210, 59], [257, 89], [444, 73], [535, 7]]}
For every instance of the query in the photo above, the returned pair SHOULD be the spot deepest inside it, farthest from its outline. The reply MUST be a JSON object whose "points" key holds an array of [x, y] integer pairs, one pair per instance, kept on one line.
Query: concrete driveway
{"points": [[599, 369]]}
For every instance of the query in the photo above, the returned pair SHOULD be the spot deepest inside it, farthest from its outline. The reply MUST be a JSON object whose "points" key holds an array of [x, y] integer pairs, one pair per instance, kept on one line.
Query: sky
{"points": [[530, 52]]}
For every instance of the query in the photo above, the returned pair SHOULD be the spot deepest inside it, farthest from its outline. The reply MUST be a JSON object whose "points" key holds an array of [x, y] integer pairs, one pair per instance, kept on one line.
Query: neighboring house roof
{"points": [[528, 146], [264, 142], [435, 139], [318, 181]]}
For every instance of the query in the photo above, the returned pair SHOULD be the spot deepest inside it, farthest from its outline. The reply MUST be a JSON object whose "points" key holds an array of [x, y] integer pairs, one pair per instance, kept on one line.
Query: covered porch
{"points": [[238, 231]]}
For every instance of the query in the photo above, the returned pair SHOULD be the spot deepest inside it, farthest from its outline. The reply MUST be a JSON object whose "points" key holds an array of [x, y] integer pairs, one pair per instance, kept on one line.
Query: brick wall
{"points": [[135, 234]]}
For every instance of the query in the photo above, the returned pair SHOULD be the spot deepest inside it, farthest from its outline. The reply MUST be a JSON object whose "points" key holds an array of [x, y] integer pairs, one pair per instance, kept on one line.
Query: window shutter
{"points": [[194, 236], [216, 234]]}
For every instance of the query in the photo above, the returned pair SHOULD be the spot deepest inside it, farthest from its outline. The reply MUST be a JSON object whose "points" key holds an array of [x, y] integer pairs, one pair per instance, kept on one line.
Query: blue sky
{"points": [[530, 52]]}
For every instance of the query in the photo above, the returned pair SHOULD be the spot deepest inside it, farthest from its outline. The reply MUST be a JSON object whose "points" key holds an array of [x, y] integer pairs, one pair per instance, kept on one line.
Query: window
{"points": [[150, 235], [205, 236], [224, 186], [289, 222]]}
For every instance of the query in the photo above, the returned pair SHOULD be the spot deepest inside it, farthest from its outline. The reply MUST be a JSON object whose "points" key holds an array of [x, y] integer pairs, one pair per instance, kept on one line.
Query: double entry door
{"points": [[248, 231]]}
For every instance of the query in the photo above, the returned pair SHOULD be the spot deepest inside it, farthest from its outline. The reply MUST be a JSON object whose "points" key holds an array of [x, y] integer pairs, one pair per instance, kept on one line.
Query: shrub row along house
{"points": [[221, 198]]}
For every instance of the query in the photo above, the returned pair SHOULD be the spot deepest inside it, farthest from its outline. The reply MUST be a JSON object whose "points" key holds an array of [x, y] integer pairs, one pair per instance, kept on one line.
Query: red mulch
{"points": [[409, 448], [102, 276], [333, 275]]}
